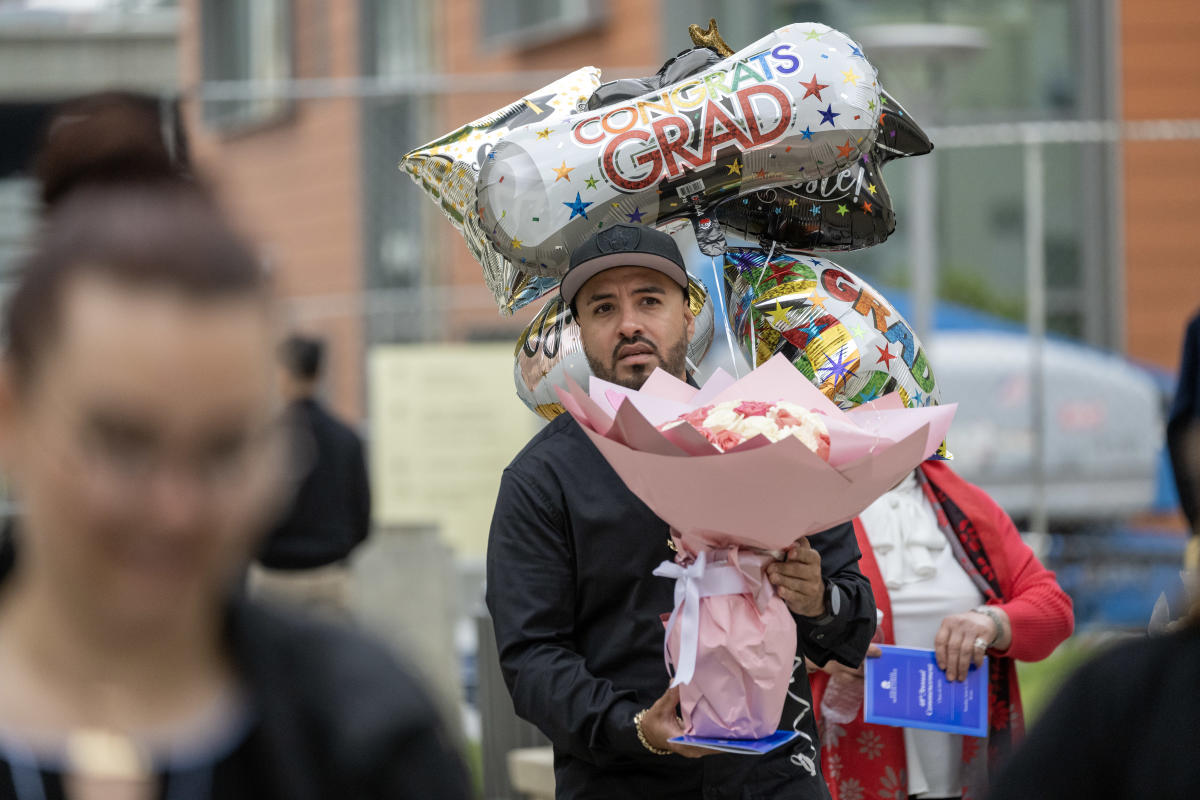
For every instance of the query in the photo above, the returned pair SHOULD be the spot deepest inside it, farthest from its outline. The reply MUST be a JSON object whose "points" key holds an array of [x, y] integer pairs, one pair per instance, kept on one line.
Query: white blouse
{"points": [[925, 584]]}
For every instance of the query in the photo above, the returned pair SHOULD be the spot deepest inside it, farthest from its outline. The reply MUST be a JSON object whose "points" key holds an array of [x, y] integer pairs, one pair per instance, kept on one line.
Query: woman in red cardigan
{"points": [[949, 572]]}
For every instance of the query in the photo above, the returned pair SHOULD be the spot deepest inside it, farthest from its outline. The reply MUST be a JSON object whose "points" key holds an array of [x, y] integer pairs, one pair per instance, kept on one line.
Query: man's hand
{"points": [[798, 580], [834, 667], [662, 722]]}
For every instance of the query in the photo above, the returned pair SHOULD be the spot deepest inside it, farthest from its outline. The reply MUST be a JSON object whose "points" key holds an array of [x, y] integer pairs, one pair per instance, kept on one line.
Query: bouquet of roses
{"points": [[740, 470], [729, 424]]}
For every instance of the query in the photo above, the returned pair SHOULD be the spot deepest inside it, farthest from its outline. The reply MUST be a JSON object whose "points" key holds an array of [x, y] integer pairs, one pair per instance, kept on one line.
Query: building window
{"points": [[247, 41], [526, 23], [398, 40]]}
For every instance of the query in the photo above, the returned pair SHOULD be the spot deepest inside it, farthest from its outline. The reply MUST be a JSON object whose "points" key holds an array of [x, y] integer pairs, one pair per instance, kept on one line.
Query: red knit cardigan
{"points": [[868, 761]]}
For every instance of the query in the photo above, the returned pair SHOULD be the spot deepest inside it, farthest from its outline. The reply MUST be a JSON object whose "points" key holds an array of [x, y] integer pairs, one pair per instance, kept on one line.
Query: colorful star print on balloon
{"points": [[813, 88], [578, 208], [840, 332]]}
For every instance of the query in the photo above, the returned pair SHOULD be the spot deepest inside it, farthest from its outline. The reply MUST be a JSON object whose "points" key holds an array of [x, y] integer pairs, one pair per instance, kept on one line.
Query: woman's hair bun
{"points": [[105, 139]]}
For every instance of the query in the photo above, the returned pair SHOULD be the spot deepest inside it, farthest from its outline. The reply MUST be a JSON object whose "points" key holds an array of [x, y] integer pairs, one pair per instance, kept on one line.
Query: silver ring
{"points": [[980, 644]]}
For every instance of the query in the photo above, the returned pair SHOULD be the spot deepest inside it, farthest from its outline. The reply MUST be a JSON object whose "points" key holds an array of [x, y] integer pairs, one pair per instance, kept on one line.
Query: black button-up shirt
{"points": [[576, 611]]}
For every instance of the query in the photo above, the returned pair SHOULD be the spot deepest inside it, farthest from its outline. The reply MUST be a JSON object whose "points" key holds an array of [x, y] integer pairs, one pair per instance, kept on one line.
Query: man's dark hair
{"points": [[302, 356]]}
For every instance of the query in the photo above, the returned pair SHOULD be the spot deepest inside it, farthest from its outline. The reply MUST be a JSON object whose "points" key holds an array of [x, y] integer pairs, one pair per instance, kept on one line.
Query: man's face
{"points": [[631, 320]]}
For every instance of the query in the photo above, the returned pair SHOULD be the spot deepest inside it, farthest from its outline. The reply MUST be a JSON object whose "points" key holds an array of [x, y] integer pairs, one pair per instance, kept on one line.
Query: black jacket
{"points": [[576, 612], [1124, 726], [331, 511], [337, 716], [1182, 423]]}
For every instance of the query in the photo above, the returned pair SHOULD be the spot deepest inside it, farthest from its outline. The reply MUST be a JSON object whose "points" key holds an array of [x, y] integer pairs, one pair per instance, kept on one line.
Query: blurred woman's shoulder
{"points": [[341, 698]]}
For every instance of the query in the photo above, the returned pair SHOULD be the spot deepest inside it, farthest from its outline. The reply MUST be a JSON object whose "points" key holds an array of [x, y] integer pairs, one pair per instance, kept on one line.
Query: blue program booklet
{"points": [[906, 688], [746, 747]]}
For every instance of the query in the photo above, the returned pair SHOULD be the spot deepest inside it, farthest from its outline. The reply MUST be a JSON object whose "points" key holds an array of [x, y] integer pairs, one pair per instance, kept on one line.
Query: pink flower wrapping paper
{"points": [[760, 494], [731, 638], [744, 642]]}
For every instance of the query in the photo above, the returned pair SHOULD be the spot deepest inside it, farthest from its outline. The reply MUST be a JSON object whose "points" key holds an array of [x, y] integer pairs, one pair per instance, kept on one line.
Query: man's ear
{"points": [[689, 319]]}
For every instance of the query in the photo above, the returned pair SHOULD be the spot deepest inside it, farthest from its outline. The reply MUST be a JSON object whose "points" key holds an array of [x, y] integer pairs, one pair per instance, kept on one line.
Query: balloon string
{"points": [[719, 291], [753, 327], [767, 263]]}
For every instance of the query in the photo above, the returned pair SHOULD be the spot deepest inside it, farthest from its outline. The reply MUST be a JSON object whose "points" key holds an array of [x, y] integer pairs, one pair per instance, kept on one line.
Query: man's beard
{"points": [[674, 362]]}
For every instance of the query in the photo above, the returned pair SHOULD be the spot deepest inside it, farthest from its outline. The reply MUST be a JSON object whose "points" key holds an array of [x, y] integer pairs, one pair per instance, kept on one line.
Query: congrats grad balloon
{"points": [[448, 170], [799, 102]]}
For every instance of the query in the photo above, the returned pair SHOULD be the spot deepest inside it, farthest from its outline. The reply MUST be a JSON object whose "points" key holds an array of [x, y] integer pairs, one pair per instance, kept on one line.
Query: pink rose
{"points": [[754, 408], [785, 419], [727, 439], [823, 446], [696, 416]]}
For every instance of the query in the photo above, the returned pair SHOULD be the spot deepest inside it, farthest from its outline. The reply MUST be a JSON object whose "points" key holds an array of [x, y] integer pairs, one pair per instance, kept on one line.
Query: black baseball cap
{"points": [[623, 246]]}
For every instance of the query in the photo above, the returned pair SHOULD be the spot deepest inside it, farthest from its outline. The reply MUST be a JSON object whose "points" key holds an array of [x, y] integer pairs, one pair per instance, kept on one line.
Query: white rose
{"points": [[807, 435], [721, 418], [797, 411], [755, 426]]}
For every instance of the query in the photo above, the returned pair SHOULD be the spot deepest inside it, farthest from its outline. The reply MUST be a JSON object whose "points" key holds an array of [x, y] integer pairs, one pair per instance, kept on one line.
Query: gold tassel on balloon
{"points": [[710, 37]]}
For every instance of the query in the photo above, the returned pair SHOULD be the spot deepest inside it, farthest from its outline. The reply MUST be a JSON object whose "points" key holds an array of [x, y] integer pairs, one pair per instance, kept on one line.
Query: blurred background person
{"points": [[139, 430], [1183, 434], [950, 573], [304, 558], [1125, 725]]}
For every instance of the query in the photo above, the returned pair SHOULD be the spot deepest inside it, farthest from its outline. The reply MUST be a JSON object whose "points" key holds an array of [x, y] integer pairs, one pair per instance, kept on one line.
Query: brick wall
{"points": [[1160, 77], [294, 184], [627, 44]]}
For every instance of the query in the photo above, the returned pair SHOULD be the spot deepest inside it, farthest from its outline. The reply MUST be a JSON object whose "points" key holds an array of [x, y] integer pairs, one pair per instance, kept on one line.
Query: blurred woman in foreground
{"points": [[137, 429]]}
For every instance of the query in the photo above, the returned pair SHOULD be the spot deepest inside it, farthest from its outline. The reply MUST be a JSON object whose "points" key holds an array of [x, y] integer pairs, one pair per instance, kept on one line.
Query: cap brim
{"points": [[582, 273]]}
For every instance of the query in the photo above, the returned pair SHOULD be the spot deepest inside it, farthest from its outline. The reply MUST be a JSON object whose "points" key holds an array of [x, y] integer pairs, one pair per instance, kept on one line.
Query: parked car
{"points": [[1102, 425]]}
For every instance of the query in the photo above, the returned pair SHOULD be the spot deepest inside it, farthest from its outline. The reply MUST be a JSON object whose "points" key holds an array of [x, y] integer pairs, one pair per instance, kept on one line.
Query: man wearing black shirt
{"points": [[304, 559], [570, 556]]}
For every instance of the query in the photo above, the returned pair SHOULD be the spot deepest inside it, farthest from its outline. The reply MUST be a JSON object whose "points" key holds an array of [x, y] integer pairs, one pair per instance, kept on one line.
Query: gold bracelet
{"points": [[637, 723]]}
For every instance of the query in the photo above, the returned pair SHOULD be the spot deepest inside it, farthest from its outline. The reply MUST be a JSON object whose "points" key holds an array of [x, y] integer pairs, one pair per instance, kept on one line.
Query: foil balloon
{"points": [[448, 170], [725, 352], [683, 65], [550, 350], [832, 325], [847, 211], [802, 101]]}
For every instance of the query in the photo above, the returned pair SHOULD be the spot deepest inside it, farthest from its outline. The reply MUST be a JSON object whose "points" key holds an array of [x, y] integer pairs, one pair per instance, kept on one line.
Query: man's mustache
{"points": [[634, 340]]}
